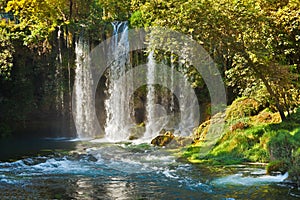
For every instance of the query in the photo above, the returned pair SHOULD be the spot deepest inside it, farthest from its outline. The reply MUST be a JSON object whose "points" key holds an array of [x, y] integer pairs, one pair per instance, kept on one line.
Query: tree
{"points": [[238, 35]]}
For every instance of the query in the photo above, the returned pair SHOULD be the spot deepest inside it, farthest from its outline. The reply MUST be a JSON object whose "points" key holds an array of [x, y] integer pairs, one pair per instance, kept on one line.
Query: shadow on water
{"points": [[39, 138], [17, 148]]}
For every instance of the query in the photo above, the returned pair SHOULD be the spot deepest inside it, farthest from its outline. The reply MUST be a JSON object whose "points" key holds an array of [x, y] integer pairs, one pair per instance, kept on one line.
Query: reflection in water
{"points": [[118, 188]]}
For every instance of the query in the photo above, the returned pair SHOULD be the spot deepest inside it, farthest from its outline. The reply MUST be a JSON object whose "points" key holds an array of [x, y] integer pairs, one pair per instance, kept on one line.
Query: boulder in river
{"points": [[163, 140]]}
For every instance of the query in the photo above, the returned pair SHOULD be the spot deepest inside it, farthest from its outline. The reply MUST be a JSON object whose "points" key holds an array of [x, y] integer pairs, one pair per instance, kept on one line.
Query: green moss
{"points": [[242, 107], [265, 140], [138, 148]]}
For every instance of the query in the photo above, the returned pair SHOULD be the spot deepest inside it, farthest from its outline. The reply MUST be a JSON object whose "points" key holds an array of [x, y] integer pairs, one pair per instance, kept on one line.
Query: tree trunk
{"points": [[71, 8], [259, 74], [271, 92]]}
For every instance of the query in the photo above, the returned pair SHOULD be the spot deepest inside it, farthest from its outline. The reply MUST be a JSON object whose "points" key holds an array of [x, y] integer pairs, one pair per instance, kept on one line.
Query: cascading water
{"points": [[172, 82], [166, 116], [84, 101], [151, 129], [59, 76], [187, 106], [118, 117]]}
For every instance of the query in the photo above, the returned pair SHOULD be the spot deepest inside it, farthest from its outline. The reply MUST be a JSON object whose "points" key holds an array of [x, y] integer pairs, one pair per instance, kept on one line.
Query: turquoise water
{"points": [[122, 171]]}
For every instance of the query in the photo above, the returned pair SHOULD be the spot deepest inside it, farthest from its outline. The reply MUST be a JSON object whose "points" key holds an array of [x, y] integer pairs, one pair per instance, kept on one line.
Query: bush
{"points": [[277, 165], [294, 170], [266, 117], [295, 116], [281, 146]]}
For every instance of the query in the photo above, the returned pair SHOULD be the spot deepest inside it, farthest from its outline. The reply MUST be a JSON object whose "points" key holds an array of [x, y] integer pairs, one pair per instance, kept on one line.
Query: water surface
{"points": [[124, 171]]}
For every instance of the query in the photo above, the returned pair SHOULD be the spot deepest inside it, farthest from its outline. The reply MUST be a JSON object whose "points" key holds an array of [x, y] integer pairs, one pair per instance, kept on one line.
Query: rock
{"points": [[163, 140], [201, 131]]}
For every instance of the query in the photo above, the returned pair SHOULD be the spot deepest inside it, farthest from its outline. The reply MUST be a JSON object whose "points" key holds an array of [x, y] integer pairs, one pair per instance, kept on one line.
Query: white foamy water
{"points": [[130, 169], [118, 116], [255, 178], [82, 93]]}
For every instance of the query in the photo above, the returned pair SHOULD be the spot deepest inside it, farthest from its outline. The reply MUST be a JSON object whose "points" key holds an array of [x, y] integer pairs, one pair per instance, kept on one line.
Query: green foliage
{"points": [[136, 19], [262, 141], [277, 165], [116, 10], [39, 18], [281, 145], [6, 54], [284, 149], [295, 116], [294, 169], [242, 37]]}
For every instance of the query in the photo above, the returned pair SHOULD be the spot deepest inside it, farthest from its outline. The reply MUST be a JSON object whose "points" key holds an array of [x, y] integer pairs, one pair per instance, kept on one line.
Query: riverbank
{"points": [[256, 137]]}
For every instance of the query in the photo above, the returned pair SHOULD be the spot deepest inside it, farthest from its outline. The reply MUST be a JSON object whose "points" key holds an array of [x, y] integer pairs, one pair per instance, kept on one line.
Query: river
{"points": [[61, 168]]}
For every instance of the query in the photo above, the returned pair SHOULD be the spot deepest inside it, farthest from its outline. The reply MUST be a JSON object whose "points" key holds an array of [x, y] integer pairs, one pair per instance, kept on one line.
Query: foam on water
{"points": [[241, 179], [116, 165]]}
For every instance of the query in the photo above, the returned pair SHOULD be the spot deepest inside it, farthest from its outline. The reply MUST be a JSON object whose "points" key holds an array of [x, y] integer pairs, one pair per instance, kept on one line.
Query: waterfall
{"points": [[118, 117], [161, 110], [151, 129], [172, 105], [187, 108], [59, 78], [84, 101]]}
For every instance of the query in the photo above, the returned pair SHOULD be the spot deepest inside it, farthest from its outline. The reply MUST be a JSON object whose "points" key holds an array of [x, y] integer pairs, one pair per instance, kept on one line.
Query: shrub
{"points": [[295, 116], [266, 116], [294, 170], [239, 125], [277, 165], [281, 145]]}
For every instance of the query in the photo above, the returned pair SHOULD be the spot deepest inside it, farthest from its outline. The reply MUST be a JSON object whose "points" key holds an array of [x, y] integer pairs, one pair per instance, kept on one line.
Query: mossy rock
{"points": [[266, 117], [201, 131], [163, 140], [243, 107]]}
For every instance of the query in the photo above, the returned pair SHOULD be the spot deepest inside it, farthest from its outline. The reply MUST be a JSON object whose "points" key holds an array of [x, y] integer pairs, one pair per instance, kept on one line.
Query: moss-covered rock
{"points": [[163, 140], [201, 131], [243, 107], [239, 125], [266, 117]]}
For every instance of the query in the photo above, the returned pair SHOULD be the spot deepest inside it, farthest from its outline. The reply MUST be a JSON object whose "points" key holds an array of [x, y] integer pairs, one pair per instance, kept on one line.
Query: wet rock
{"points": [[87, 157], [163, 140], [34, 161]]}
